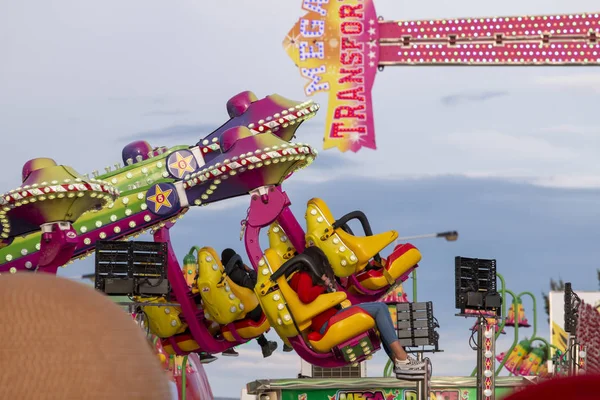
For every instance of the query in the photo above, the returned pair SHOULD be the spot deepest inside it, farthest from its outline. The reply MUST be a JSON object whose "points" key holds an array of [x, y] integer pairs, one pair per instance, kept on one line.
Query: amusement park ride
{"points": [[57, 215]]}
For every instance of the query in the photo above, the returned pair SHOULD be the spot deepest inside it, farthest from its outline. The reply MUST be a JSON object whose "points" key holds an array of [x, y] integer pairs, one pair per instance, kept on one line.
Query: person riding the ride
{"points": [[309, 286]]}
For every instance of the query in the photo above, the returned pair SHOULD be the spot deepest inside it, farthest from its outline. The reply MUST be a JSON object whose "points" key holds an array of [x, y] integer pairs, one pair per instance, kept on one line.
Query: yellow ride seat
{"points": [[281, 303], [223, 300], [279, 242], [403, 258], [246, 328], [347, 253], [163, 321], [271, 298], [283, 307], [343, 326], [184, 341]]}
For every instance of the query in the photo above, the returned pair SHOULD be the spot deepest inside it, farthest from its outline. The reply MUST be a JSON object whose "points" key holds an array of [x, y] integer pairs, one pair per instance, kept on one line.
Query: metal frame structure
{"points": [[486, 355], [475, 285], [131, 268], [572, 303], [476, 289], [416, 326]]}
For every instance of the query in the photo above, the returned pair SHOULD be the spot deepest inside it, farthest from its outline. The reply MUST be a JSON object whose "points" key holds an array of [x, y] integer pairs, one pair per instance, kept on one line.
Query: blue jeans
{"points": [[383, 321]]}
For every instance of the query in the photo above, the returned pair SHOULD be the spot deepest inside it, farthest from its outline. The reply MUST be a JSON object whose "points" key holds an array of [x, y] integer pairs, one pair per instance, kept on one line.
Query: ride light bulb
{"points": [[582, 354], [487, 392], [488, 354], [488, 333], [487, 373]]}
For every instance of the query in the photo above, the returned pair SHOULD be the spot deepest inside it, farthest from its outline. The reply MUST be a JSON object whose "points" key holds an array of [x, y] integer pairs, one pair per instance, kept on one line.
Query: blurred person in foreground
{"points": [[580, 387], [63, 340]]}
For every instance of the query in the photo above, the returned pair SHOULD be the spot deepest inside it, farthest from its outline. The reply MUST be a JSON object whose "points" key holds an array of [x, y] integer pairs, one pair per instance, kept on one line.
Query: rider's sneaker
{"points": [[230, 353], [287, 348], [206, 358], [410, 366], [268, 349]]}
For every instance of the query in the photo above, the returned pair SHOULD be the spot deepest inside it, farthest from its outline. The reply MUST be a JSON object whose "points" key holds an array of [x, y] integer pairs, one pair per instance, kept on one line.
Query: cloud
{"points": [[177, 132], [571, 129], [236, 202], [486, 144], [139, 99], [167, 113], [477, 97], [569, 181], [531, 157], [588, 82]]}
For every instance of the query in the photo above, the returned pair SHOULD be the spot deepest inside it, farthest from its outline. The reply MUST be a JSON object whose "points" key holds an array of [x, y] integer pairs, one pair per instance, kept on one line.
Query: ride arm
{"points": [[364, 222]]}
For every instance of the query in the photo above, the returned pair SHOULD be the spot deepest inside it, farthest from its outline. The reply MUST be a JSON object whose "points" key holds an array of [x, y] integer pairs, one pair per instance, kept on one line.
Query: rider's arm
{"points": [[251, 272], [307, 292]]}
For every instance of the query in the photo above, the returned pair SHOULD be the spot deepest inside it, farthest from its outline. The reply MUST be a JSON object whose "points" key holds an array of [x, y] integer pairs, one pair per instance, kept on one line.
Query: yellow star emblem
{"points": [[182, 164], [160, 199]]}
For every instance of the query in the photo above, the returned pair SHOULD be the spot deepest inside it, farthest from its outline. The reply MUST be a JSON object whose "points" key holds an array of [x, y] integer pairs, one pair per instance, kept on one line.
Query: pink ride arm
{"points": [[264, 210], [182, 293]]}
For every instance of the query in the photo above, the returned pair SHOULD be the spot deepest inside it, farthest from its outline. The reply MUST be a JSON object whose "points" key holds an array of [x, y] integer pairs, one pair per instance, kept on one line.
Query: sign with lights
{"points": [[458, 393], [335, 48], [339, 45]]}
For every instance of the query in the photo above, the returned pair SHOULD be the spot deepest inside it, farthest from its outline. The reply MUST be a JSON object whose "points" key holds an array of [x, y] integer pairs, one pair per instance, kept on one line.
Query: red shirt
{"points": [[302, 284]]}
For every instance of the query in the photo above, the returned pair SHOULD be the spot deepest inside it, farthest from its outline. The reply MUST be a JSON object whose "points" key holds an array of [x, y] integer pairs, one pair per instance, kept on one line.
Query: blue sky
{"points": [[506, 156]]}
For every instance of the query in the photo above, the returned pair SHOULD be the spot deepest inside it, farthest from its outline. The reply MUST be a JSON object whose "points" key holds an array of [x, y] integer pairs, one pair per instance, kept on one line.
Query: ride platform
{"points": [[442, 388]]}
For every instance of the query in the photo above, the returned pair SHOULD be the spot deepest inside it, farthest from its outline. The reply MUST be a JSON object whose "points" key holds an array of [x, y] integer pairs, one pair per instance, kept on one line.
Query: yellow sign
{"points": [[335, 48]]}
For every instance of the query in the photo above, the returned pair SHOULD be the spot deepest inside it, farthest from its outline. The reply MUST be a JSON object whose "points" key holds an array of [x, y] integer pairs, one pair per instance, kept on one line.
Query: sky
{"points": [[506, 156]]}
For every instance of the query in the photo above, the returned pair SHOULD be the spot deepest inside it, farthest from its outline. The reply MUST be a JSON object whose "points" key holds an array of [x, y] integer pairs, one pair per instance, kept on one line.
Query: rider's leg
{"points": [[381, 314], [256, 314], [266, 346], [385, 326]]}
